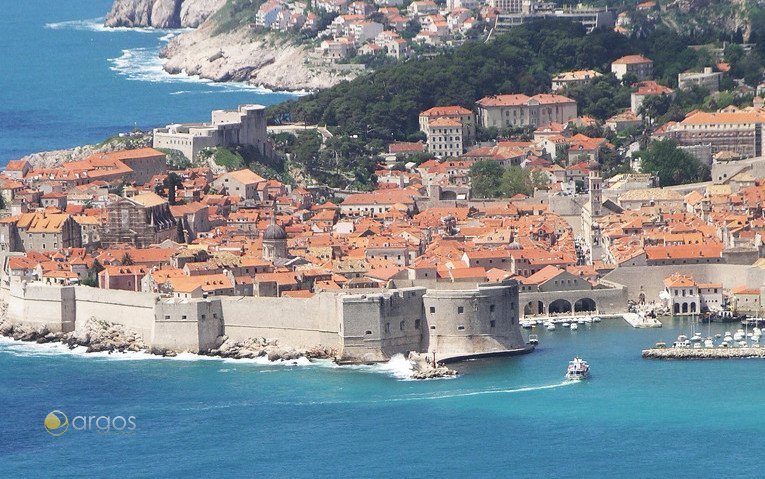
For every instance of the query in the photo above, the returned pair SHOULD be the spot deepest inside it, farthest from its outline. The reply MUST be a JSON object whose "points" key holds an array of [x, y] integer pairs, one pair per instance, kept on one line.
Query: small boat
{"points": [[577, 370], [696, 338], [574, 326], [566, 325], [550, 327], [527, 325], [718, 336], [533, 339], [708, 343], [596, 319]]}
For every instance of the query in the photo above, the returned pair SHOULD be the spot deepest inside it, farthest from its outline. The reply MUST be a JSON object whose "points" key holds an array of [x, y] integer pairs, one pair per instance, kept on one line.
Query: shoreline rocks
{"points": [[261, 347], [424, 369]]}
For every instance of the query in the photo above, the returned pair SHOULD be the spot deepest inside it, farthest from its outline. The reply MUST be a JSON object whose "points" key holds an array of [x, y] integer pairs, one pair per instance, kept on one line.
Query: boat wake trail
{"points": [[450, 395]]}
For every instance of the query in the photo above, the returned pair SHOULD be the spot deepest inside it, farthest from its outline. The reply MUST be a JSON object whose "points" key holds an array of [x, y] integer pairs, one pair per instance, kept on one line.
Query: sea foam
{"points": [[97, 25]]}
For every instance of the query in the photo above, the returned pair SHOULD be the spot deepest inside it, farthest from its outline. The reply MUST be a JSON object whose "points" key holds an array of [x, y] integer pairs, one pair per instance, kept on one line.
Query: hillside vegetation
{"points": [[385, 104]]}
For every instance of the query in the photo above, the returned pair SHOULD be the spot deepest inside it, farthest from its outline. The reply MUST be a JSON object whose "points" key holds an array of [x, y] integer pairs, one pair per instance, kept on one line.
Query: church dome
{"points": [[274, 232]]}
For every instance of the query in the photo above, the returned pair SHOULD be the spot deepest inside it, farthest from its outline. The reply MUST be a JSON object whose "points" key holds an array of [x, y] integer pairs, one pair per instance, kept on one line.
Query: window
{"points": [[492, 323], [432, 309], [167, 316], [461, 327], [492, 308], [183, 317], [368, 332], [401, 325], [416, 324], [387, 328], [432, 327], [460, 309]]}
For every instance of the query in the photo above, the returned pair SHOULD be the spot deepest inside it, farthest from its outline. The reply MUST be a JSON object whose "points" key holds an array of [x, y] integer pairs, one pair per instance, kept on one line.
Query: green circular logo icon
{"points": [[56, 423]]}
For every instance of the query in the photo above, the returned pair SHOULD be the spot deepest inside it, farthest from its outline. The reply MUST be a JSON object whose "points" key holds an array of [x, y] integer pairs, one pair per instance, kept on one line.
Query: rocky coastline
{"points": [[262, 59], [55, 158], [161, 13]]}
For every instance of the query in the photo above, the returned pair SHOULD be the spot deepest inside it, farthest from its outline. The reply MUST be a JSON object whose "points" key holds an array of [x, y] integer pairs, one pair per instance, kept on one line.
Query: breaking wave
{"points": [[97, 25]]}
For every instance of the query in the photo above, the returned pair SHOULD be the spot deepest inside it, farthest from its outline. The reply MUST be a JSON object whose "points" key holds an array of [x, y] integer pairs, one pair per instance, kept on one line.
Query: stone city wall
{"points": [[649, 280], [380, 325], [362, 327], [295, 322]]}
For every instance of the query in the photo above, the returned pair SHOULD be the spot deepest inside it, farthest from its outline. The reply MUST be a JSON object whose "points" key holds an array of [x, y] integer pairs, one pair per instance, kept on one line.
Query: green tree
{"points": [[516, 180], [172, 181], [655, 106], [672, 165], [126, 260], [540, 180], [486, 179]]}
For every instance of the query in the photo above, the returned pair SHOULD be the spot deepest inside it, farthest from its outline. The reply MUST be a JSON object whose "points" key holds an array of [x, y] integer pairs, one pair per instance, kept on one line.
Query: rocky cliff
{"points": [[161, 13], [239, 55]]}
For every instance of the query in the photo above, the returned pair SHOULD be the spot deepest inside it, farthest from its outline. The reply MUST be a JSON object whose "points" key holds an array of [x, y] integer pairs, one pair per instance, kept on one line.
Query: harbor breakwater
{"points": [[704, 353]]}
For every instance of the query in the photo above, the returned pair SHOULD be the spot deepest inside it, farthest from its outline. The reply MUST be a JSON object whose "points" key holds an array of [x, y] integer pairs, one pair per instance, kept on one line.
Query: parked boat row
{"points": [[551, 324], [741, 338]]}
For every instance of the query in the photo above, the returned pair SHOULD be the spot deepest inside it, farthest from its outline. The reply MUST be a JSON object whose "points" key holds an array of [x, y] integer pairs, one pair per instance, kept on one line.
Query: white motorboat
{"points": [[577, 370], [527, 325], [533, 339], [696, 338], [708, 343], [574, 326], [566, 325], [550, 327], [596, 319]]}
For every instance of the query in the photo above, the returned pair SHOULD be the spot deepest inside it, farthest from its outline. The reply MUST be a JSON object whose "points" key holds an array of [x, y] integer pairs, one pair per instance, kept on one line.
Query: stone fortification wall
{"points": [[39, 305], [295, 322], [650, 279], [362, 327], [188, 325], [377, 326], [130, 309], [472, 322]]}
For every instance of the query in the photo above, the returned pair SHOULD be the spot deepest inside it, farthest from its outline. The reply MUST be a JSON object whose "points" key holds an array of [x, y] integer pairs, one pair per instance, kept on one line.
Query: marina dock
{"points": [[637, 321], [704, 353]]}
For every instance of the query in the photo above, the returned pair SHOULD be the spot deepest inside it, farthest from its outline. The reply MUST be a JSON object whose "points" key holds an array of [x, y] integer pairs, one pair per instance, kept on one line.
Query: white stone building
{"points": [[245, 126]]}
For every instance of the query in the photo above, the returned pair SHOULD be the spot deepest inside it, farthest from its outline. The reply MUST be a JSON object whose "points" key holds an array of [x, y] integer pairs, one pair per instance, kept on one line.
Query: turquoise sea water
{"points": [[66, 81], [499, 418], [69, 83]]}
